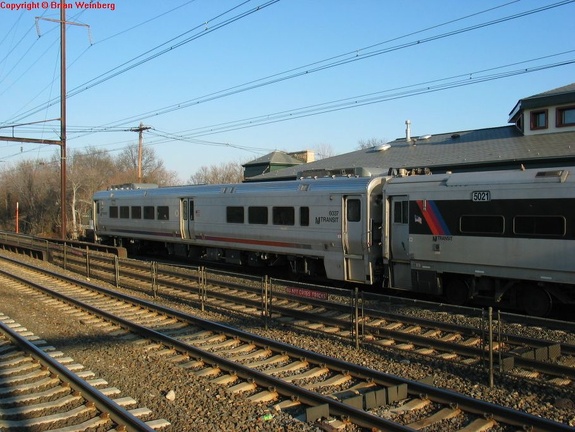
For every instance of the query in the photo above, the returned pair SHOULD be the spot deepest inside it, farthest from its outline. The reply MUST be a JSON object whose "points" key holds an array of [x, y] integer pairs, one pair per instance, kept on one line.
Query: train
{"points": [[505, 236]]}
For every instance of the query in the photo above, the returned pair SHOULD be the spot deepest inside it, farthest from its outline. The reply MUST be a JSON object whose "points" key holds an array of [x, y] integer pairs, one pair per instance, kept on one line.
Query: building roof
{"points": [[275, 158], [463, 150], [557, 96]]}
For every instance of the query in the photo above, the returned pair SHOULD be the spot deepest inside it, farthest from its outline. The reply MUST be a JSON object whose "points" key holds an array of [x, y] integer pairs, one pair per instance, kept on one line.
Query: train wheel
{"points": [[536, 301], [457, 292]]}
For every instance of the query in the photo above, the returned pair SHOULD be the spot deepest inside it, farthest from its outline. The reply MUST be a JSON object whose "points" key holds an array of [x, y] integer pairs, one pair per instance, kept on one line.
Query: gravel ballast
{"points": [[192, 403]]}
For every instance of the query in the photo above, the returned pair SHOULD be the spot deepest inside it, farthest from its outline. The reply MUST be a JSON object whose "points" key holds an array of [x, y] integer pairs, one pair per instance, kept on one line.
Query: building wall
{"points": [[552, 113]]}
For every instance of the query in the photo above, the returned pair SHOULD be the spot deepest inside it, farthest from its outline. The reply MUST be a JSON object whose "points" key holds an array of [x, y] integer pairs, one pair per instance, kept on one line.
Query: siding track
{"points": [[279, 374]]}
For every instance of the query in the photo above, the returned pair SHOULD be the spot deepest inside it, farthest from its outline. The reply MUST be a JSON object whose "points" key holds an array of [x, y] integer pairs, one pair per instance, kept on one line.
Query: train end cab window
{"points": [[353, 210]]}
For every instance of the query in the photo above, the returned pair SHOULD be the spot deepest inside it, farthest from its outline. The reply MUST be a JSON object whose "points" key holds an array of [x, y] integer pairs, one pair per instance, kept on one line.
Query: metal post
{"points": [[154, 274], [87, 262], [265, 300], [117, 270], [490, 347], [202, 293], [356, 318]]}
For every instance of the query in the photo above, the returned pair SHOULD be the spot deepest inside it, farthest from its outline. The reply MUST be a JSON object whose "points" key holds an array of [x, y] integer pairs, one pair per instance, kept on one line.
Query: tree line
{"points": [[32, 188]]}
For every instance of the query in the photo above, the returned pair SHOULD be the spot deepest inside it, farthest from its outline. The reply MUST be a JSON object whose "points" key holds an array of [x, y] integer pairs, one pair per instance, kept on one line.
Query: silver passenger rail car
{"points": [[502, 235], [327, 227]]}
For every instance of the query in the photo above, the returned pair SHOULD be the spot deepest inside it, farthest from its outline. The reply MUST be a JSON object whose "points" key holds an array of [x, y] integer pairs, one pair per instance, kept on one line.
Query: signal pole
{"points": [[140, 130]]}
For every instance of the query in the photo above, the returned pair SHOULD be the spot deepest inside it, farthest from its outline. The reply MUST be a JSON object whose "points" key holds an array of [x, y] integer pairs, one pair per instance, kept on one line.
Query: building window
{"points": [[538, 120], [566, 116]]}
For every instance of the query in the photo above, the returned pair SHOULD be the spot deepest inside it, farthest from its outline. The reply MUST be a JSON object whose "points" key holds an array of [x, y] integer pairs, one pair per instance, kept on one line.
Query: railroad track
{"points": [[278, 374], [42, 389], [525, 357]]}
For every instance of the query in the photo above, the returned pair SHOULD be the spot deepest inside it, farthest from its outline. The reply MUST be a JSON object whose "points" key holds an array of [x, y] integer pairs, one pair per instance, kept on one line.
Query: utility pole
{"points": [[63, 119], [140, 131], [62, 141]]}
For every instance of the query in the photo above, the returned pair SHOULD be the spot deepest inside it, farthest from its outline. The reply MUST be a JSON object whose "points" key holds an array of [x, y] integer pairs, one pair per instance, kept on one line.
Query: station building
{"points": [[541, 133]]}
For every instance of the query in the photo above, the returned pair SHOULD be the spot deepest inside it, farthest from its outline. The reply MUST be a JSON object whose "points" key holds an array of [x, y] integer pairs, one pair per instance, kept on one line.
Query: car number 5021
{"points": [[480, 196]]}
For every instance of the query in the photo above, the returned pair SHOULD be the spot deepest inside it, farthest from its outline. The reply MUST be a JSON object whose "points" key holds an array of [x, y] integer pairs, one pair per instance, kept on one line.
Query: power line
{"points": [[134, 62], [331, 63]]}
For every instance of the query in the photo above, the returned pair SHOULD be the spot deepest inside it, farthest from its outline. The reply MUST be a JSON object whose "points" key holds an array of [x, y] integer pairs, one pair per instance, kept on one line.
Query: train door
{"points": [[399, 241], [354, 238], [187, 219]]}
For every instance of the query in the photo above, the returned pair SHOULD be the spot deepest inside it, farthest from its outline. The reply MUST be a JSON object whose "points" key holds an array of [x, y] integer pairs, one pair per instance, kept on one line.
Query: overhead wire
{"points": [[134, 62], [297, 113], [340, 60], [372, 98]]}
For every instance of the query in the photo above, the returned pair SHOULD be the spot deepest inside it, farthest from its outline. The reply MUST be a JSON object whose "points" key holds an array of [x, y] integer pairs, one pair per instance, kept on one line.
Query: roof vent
{"points": [[424, 137], [455, 136], [381, 147]]}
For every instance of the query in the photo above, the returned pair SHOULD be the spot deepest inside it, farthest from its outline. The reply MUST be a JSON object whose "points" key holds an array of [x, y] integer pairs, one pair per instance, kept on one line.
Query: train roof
{"points": [[502, 177], [310, 185]]}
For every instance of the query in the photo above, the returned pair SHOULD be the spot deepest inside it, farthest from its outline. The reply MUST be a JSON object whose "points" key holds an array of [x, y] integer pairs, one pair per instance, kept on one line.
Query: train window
{"points": [[191, 210], [149, 212], [163, 213], [283, 215], [136, 212], [235, 214], [304, 216], [482, 224], [258, 215], [184, 210], [553, 226], [124, 212], [400, 212], [353, 210], [114, 212]]}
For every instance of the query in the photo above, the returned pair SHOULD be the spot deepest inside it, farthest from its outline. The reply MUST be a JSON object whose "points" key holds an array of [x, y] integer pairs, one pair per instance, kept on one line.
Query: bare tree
{"points": [[230, 172], [32, 187], [88, 171], [153, 170], [323, 151]]}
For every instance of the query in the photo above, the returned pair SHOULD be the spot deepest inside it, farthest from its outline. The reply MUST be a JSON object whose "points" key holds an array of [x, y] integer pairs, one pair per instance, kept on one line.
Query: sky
{"points": [[218, 81]]}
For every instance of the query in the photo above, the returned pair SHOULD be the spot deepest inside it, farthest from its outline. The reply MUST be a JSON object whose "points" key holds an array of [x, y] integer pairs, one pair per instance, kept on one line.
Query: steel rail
{"points": [[118, 415], [482, 408]]}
